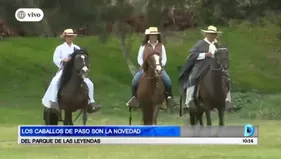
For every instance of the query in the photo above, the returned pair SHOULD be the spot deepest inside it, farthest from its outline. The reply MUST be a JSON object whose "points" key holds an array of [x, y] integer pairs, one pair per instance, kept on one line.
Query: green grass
{"points": [[26, 68]]}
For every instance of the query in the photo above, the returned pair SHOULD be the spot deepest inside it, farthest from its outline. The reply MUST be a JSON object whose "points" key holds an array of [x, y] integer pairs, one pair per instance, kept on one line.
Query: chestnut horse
{"points": [[151, 91]]}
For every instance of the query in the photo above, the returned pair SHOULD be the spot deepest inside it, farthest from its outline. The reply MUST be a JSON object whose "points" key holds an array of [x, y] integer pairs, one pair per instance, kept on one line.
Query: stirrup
{"points": [[133, 105], [127, 104], [130, 100]]}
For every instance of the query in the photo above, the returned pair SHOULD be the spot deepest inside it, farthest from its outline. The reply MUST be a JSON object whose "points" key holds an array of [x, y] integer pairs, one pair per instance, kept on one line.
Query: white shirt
{"points": [[212, 49], [163, 56], [62, 52]]}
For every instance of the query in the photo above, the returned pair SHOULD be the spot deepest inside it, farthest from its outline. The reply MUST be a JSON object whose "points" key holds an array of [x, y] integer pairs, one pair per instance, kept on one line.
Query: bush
{"points": [[256, 106]]}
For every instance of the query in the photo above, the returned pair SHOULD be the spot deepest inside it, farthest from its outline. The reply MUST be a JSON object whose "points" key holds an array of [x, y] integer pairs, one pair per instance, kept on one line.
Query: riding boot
{"points": [[133, 102], [229, 106], [189, 103], [93, 107], [170, 100]]}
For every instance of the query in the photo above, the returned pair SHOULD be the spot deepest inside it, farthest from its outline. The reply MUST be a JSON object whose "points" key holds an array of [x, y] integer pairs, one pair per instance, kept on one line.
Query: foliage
{"points": [[257, 106], [97, 14]]}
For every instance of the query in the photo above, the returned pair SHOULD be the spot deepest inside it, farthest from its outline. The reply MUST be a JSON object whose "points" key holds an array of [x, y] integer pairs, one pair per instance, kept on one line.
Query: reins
{"points": [[218, 62], [216, 69], [151, 77]]}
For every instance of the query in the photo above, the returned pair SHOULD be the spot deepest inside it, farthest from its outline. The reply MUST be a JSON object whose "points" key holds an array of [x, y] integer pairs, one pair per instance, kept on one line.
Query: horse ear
{"points": [[75, 49], [223, 46], [84, 50]]}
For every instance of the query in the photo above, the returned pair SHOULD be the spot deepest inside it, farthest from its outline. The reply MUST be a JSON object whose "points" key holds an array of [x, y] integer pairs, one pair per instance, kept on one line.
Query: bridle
{"points": [[220, 68], [151, 66], [79, 70]]}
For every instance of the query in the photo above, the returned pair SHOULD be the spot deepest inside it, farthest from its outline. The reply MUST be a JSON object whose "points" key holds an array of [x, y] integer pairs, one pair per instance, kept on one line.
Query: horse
{"points": [[210, 92], [151, 92], [73, 91]]}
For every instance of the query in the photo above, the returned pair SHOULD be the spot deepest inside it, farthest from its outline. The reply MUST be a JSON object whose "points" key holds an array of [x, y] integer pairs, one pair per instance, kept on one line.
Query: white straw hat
{"points": [[212, 30], [146, 32], [152, 31], [68, 32]]}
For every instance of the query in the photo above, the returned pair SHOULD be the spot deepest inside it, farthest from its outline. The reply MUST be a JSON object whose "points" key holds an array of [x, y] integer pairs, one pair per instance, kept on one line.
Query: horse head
{"points": [[80, 63], [221, 58], [77, 65], [152, 63]]}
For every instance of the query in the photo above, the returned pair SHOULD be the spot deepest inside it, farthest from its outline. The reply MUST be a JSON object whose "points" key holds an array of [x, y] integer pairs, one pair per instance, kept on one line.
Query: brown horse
{"points": [[73, 91], [210, 92], [151, 91]]}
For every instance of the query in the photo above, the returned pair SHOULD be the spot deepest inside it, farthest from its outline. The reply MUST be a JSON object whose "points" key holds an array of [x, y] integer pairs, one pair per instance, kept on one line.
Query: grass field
{"points": [[26, 68]]}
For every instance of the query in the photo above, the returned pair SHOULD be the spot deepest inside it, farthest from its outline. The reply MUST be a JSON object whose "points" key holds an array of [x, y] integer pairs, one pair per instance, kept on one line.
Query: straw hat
{"points": [[68, 32], [146, 32], [152, 31], [211, 30]]}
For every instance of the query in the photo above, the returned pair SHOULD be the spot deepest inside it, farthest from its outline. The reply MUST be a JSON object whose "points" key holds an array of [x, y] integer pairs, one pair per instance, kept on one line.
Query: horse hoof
{"points": [[233, 109], [237, 108], [94, 110], [135, 108]]}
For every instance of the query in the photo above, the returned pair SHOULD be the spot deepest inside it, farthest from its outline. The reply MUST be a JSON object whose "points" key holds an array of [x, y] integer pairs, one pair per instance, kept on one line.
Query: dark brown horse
{"points": [[73, 91], [151, 91], [210, 93]]}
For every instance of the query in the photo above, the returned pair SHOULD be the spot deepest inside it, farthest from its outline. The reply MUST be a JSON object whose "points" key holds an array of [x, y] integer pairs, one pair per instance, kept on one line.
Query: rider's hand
{"points": [[66, 59], [208, 54], [157, 51]]}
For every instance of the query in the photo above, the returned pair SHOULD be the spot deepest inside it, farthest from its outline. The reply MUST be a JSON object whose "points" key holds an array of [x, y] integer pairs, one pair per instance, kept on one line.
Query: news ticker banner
{"points": [[247, 134], [137, 131], [136, 141]]}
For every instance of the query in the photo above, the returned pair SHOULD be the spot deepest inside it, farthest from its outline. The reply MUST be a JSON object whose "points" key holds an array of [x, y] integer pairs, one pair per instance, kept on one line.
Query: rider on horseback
{"points": [[62, 55], [152, 40], [202, 49]]}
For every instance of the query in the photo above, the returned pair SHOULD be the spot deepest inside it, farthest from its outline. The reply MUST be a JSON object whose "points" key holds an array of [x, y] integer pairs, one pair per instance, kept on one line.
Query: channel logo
{"points": [[249, 130], [29, 15]]}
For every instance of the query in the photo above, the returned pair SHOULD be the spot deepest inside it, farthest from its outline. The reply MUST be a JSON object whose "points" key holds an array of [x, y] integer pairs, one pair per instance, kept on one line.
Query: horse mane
{"points": [[68, 68], [146, 58]]}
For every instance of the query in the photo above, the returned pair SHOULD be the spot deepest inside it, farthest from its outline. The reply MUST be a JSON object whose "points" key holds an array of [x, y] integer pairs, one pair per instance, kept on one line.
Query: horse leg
{"points": [[155, 114], [192, 117], [147, 113], [221, 116], [200, 117], [54, 120], [45, 116], [67, 117], [50, 117], [208, 117], [70, 119], [84, 116]]}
